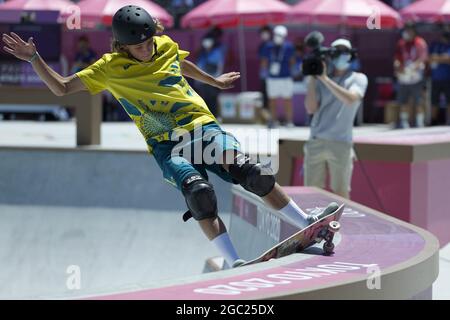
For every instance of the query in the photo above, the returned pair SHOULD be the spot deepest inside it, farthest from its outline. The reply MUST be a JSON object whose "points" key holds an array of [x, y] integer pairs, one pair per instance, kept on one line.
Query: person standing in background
{"points": [[333, 100], [299, 52], [409, 65], [85, 56], [440, 74], [278, 59], [211, 60], [265, 34]]}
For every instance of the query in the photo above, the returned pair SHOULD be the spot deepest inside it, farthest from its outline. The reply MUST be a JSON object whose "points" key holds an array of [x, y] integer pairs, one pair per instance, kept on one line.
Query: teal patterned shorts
{"points": [[176, 167]]}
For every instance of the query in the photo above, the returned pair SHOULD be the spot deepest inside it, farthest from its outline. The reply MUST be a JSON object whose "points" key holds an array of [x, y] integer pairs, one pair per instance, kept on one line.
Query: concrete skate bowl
{"points": [[100, 224]]}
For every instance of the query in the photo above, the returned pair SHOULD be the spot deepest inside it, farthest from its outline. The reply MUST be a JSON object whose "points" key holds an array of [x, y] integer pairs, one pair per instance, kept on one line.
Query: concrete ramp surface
{"points": [[42, 248]]}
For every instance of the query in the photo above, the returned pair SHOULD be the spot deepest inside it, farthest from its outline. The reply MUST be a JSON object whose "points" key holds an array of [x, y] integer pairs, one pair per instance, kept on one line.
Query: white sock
{"points": [[226, 248], [420, 120], [295, 214], [404, 118]]}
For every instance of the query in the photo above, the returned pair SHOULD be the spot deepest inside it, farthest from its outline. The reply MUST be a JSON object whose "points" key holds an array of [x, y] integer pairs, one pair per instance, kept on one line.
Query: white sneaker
{"points": [[404, 125], [333, 206]]}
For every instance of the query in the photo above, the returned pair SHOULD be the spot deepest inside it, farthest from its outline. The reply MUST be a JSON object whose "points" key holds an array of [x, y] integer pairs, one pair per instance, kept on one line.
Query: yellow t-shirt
{"points": [[155, 95]]}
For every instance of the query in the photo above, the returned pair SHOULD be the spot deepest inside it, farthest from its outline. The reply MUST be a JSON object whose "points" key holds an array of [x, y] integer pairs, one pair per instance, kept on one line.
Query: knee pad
{"points": [[200, 198], [252, 177]]}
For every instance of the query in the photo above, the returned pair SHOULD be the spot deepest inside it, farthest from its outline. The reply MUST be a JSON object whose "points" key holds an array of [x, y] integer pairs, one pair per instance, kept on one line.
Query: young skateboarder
{"points": [[145, 73]]}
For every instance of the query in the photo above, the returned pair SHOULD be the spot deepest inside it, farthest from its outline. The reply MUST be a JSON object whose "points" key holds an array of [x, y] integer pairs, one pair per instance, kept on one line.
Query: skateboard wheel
{"points": [[328, 247], [334, 226]]}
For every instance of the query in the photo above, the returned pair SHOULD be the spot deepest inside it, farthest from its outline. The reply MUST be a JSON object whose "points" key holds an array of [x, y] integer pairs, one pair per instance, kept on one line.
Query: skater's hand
{"points": [[225, 81], [19, 48]]}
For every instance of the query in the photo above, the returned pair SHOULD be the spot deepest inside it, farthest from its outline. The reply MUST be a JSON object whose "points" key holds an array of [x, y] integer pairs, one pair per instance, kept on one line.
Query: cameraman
{"points": [[333, 102]]}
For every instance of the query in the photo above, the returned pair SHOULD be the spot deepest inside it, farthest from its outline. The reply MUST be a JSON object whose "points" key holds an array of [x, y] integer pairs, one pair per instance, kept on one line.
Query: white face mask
{"points": [[265, 36], [406, 36], [278, 40], [207, 43], [342, 62]]}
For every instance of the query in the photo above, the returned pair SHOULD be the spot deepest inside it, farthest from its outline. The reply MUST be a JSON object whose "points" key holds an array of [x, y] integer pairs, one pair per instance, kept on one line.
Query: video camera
{"points": [[313, 63]]}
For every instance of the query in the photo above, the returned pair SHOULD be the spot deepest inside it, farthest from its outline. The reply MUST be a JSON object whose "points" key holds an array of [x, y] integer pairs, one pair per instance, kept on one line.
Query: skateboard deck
{"points": [[323, 229]]}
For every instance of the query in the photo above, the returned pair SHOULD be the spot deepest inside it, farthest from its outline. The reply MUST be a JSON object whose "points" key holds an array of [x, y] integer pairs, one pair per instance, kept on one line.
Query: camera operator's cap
{"points": [[342, 42], [280, 31]]}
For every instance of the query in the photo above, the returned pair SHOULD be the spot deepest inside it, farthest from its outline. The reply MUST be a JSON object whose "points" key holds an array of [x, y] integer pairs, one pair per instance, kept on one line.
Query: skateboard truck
{"points": [[333, 227]]}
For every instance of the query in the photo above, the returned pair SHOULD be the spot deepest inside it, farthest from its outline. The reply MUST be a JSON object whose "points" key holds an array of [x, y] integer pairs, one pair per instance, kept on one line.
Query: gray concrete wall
{"points": [[91, 179]]}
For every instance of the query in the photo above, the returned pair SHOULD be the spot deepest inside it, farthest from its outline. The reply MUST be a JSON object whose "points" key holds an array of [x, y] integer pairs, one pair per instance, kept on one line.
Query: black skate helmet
{"points": [[132, 25]]}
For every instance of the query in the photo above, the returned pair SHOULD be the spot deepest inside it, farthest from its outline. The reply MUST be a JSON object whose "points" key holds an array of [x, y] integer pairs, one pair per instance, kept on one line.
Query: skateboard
{"points": [[323, 229]]}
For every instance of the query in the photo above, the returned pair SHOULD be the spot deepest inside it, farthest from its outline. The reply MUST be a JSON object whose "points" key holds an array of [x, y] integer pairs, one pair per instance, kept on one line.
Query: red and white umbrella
{"points": [[237, 13], [352, 13], [427, 10], [38, 5], [11, 11], [94, 12], [232, 13]]}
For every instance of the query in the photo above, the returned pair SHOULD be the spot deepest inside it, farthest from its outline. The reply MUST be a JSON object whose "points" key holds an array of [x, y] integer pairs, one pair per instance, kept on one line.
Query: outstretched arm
{"points": [[27, 51], [225, 81]]}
